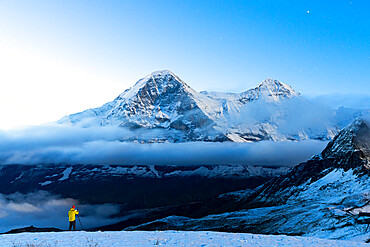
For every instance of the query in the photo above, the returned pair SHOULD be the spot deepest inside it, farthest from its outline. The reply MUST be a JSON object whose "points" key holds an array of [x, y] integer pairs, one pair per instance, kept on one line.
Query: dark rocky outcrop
{"points": [[33, 229]]}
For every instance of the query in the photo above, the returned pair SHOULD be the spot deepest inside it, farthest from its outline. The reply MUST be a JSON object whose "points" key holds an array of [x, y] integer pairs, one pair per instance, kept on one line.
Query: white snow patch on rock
{"points": [[45, 183], [66, 174], [17, 178]]}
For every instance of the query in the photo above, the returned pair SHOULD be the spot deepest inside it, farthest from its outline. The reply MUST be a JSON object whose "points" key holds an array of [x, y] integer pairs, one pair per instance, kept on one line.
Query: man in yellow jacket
{"points": [[72, 218]]}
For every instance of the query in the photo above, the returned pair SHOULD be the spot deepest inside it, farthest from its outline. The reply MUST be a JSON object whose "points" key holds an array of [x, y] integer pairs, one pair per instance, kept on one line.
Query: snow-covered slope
{"points": [[165, 108], [160, 100], [316, 198], [348, 151], [164, 238]]}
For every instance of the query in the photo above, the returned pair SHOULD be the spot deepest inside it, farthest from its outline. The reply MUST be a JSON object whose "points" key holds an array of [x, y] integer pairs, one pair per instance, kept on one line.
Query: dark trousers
{"points": [[72, 223]]}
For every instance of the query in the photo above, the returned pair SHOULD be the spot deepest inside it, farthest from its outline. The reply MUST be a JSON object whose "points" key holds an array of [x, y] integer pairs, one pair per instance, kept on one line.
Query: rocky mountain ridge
{"points": [[163, 104], [315, 198], [128, 185]]}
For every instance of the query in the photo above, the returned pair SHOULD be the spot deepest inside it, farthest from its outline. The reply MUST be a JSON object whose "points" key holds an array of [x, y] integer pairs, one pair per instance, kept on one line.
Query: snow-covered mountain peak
{"points": [[356, 127], [162, 101], [160, 73], [354, 138], [270, 90], [350, 134], [277, 88], [163, 75], [157, 81]]}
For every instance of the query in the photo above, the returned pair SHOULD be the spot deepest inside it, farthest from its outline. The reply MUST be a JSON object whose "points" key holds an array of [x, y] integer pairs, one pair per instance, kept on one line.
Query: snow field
{"points": [[164, 238]]}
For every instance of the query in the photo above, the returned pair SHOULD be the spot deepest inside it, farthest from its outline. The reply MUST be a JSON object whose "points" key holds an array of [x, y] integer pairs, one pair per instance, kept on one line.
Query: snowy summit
{"points": [[163, 104]]}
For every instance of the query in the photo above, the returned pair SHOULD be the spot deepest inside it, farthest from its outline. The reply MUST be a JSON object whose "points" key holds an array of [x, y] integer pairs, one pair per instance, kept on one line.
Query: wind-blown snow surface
{"points": [[165, 238]]}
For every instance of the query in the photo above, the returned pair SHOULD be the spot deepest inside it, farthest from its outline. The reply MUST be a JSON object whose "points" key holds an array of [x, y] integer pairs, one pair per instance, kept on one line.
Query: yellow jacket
{"points": [[72, 214]]}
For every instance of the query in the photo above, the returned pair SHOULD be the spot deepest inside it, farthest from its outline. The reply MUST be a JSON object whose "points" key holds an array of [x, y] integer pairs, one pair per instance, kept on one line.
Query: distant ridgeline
{"points": [[162, 108], [33, 229]]}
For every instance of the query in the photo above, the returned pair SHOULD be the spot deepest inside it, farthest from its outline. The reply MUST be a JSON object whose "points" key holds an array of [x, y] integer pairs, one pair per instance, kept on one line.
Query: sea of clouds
{"points": [[61, 144], [56, 144]]}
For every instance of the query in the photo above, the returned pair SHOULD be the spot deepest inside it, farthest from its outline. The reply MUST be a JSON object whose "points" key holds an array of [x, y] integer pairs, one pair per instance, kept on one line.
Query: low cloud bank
{"points": [[358, 101], [262, 153], [42, 209], [76, 145]]}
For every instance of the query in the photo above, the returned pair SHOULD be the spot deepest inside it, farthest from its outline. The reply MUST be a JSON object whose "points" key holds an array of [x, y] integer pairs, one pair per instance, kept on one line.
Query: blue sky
{"points": [[80, 54]]}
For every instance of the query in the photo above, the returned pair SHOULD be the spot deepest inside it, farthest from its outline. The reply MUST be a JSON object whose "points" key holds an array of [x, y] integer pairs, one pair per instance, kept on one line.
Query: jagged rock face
{"points": [[362, 142], [348, 150], [164, 103], [153, 103], [160, 101], [350, 147]]}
